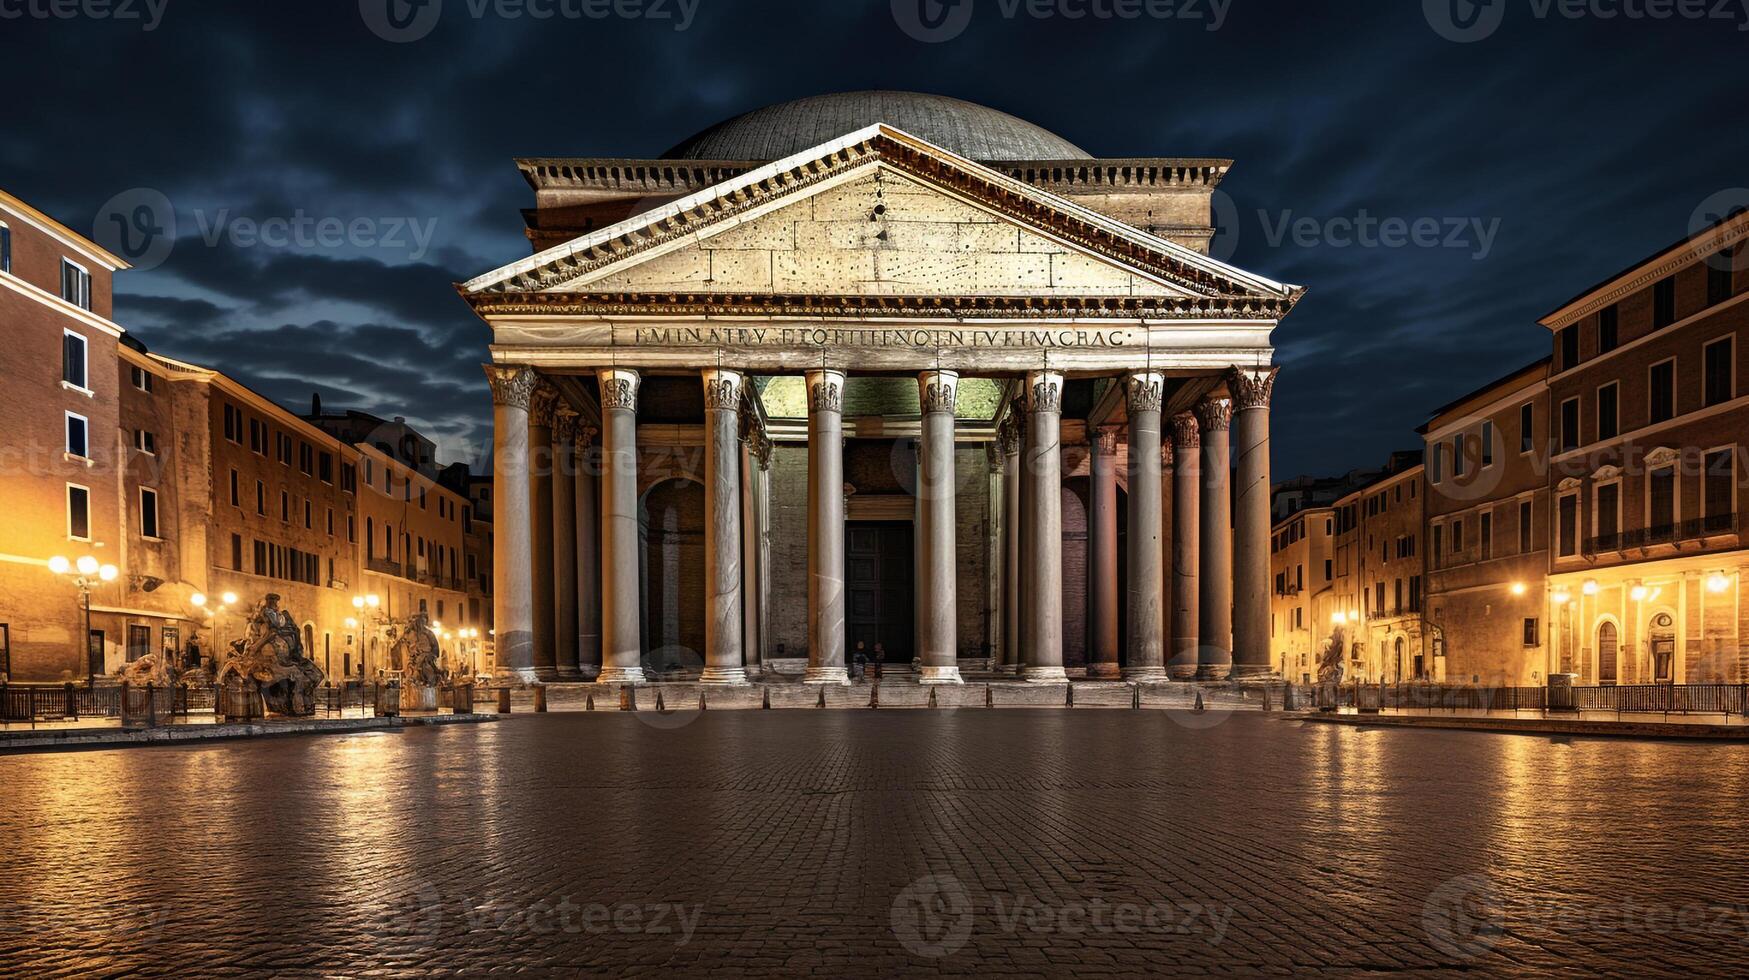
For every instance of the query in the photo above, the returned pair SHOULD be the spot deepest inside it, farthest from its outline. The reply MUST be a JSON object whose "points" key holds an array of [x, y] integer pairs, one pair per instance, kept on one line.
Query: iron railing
{"points": [[1716, 699]]}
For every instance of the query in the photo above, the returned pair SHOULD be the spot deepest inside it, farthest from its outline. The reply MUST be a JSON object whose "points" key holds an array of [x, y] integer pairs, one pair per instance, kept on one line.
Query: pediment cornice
{"points": [[1237, 307]]}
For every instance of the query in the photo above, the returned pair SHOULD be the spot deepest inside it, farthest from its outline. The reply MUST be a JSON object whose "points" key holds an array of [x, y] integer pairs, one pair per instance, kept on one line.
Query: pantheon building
{"points": [[879, 377]]}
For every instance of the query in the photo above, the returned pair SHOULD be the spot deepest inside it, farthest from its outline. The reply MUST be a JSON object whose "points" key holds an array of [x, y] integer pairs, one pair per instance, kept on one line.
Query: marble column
{"points": [[1044, 571], [1215, 658], [564, 538], [723, 649], [587, 508], [1147, 660], [513, 525], [1102, 554], [1251, 389], [1008, 443], [1186, 560], [826, 528], [621, 633], [542, 455], [936, 527]]}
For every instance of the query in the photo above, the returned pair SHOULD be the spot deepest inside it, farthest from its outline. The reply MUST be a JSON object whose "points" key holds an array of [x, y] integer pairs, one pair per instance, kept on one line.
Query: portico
{"points": [[877, 333]]}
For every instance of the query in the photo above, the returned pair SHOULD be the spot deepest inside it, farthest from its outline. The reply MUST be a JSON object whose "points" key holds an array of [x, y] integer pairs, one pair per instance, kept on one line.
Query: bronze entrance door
{"points": [[878, 573]]}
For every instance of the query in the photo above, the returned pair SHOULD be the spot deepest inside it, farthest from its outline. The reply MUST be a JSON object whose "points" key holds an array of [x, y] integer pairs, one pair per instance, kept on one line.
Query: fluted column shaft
{"points": [[513, 524], [1186, 540], [1252, 390], [621, 633], [1215, 659], [542, 452], [1145, 624], [826, 528], [935, 532], [587, 508], [1009, 444], [1102, 555], [724, 657], [564, 539], [1044, 474]]}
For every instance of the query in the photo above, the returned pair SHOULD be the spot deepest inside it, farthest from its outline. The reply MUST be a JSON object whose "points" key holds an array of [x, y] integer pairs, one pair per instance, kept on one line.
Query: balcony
{"points": [[383, 566], [1694, 529]]}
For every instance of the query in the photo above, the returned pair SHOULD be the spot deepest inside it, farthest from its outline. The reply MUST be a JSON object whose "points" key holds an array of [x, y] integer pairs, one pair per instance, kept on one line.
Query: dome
{"points": [[971, 130]]}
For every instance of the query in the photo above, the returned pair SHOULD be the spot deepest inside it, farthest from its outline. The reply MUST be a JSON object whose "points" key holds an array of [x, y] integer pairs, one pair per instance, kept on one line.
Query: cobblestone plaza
{"points": [[878, 843]]}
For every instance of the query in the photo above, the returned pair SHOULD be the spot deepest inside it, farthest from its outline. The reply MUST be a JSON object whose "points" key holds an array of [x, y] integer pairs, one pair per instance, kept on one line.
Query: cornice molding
{"points": [[850, 306]]}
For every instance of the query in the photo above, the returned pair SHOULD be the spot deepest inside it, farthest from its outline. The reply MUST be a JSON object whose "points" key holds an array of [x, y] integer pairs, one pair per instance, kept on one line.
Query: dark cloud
{"points": [[1590, 141]]}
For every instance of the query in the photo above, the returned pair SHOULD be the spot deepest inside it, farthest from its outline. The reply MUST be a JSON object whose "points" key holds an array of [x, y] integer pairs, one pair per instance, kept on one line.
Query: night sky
{"points": [[1566, 147]]}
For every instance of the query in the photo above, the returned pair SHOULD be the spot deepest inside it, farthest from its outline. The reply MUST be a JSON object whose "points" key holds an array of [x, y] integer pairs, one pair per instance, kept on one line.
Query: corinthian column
{"points": [[826, 528], [1008, 442], [1186, 556], [542, 414], [564, 540], [621, 634], [1251, 390], [1215, 659], [1044, 473], [936, 526], [587, 508], [1102, 554], [1147, 660], [512, 561], [723, 657]]}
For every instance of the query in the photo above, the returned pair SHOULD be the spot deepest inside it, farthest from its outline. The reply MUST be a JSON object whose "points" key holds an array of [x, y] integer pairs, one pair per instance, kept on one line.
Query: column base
{"points": [[1044, 675], [941, 675], [547, 673], [1213, 672], [826, 675], [517, 676], [723, 676], [569, 674], [1004, 669], [1153, 674], [1253, 673], [1104, 671], [588, 672], [1181, 672], [621, 675]]}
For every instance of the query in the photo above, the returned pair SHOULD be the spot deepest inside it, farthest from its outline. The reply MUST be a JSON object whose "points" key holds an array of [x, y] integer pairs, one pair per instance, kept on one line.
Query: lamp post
{"points": [[216, 614], [367, 606], [86, 573]]}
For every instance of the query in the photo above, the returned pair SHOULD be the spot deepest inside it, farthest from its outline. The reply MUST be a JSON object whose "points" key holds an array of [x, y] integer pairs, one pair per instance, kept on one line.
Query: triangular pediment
{"points": [[879, 214]]}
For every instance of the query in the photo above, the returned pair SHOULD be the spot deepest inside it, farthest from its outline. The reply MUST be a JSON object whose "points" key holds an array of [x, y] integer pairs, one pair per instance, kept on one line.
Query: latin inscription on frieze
{"points": [[922, 338]]}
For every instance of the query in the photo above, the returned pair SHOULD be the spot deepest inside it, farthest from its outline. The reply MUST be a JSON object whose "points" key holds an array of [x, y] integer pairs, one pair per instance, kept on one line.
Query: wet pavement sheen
{"points": [[878, 843]]}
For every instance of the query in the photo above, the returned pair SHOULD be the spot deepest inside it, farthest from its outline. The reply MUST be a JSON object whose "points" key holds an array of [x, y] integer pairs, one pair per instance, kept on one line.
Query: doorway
{"points": [[878, 585]]}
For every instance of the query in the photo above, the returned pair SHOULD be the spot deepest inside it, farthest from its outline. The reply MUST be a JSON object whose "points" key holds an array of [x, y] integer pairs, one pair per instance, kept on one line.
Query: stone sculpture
{"points": [[272, 654], [416, 654]]}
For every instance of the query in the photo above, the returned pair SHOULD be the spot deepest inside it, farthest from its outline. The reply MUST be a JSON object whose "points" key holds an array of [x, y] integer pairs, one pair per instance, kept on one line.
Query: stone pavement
{"points": [[879, 843]]}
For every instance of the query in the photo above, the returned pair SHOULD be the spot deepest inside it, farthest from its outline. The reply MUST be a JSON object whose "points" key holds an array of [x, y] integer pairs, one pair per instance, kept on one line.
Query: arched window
{"points": [[1606, 651]]}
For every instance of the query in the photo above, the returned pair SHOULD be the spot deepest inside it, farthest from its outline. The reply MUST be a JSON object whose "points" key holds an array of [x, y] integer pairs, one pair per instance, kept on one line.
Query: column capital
{"points": [[1144, 391], [619, 388], [512, 384], [825, 390], [543, 405], [1009, 435], [1105, 439], [938, 391], [1168, 458], [1185, 433], [1044, 391], [567, 423], [1251, 387], [1215, 414], [761, 447], [722, 389]]}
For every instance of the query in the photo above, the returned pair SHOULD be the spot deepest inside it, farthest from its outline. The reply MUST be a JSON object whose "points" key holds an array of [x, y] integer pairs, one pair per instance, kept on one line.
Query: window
{"points": [[1720, 372], [1485, 536], [1524, 526], [285, 506], [1438, 545], [1527, 428], [1488, 443], [139, 642], [285, 449], [233, 425], [325, 468], [78, 436], [1569, 525], [348, 478], [78, 512], [1609, 411], [148, 513], [236, 496], [1328, 570], [1457, 456], [73, 360], [330, 522], [5, 629], [142, 378], [5, 257], [1606, 522], [309, 515], [1661, 385], [260, 498], [1569, 343], [306, 459], [236, 552], [1457, 537], [1718, 278], [1719, 498], [1664, 303], [1531, 632], [1608, 322], [1570, 425], [145, 442], [75, 284], [1661, 499], [258, 437], [1435, 465]]}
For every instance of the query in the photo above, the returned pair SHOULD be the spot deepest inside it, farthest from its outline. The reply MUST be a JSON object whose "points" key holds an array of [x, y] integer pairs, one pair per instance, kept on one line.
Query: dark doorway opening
{"points": [[878, 573]]}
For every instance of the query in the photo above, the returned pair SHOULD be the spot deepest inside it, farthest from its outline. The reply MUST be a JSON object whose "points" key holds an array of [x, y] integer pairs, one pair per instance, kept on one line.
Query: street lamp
{"points": [[86, 574], [366, 606]]}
